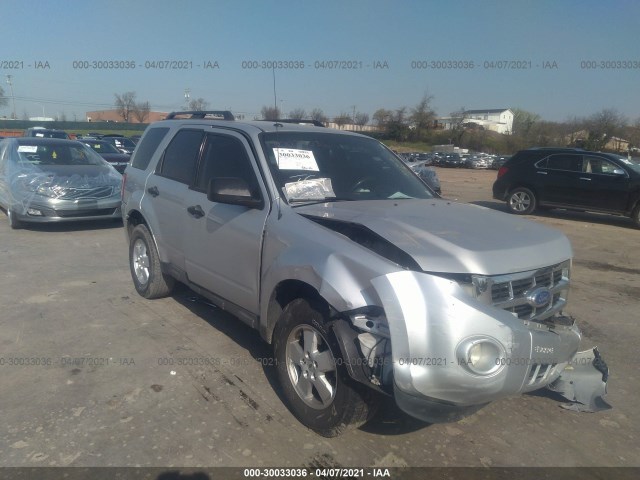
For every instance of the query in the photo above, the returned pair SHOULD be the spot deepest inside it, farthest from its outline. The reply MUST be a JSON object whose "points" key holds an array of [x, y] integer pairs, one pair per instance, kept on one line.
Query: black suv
{"points": [[570, 178]]}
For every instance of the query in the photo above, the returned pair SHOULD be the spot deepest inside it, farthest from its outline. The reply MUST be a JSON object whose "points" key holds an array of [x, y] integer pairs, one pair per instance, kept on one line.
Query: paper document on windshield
{"points": [[294, 159]]}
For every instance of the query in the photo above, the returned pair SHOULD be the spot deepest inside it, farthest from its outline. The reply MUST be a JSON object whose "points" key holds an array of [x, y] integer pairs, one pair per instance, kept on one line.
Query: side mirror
{"points": [[232, 191], [619, 171]]}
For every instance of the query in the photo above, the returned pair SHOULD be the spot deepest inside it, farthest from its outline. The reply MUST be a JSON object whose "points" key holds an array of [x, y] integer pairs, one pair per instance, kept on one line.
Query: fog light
{"points": [[33, 211], [481, 356]]}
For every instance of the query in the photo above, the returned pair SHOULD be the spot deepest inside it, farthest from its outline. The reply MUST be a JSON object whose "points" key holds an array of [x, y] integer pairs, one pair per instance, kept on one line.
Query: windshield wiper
{"points": [[297, 202]]}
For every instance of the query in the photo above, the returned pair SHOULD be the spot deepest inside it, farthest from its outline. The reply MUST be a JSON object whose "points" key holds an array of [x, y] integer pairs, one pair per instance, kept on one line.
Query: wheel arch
{"points": [[284, 293]]}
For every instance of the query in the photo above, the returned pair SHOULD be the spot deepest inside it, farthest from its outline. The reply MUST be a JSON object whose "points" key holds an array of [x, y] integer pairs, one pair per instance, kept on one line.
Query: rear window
{"points": [[181, 156], [147, 147]]}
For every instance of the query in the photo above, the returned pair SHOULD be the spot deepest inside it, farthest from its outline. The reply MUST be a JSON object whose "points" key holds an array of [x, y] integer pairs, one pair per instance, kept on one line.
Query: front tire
{"points": [[144, 263], [315, 382], [14, 223], [521, 201], [635, 216]]}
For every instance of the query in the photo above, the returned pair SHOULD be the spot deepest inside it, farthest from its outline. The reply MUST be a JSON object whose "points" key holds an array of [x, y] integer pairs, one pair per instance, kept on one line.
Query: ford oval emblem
{"points": [[540, 297]]}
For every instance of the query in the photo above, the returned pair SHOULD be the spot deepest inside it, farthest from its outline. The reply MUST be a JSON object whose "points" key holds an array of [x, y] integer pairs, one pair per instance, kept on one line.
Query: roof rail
{"points": [[300, 122], [212, 114]]}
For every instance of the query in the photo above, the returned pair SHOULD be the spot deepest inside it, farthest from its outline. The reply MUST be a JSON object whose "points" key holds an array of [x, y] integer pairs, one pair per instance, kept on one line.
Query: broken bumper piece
{"points": [[584, 382]]}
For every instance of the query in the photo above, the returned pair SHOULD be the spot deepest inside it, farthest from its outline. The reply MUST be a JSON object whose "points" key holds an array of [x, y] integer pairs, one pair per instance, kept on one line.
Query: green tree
{"points": [[523, 122]]}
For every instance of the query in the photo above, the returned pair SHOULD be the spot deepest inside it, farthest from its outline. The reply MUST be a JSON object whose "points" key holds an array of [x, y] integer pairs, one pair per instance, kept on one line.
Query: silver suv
{"points": [[365, 281]]}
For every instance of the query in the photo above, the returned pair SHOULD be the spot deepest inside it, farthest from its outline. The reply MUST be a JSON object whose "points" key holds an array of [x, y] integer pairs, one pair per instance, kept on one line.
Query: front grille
{"points": [[96, 212], [82, 193], [510, 292], [539, 373]]}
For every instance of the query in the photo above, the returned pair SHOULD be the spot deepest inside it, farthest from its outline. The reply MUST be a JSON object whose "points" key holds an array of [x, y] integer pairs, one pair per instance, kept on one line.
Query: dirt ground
{"points": [[94, 375]]}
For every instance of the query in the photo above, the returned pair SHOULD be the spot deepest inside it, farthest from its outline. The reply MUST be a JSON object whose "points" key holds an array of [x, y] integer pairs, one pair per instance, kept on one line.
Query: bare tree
{"points": [[198, 105], [361, 119], [602, 127], [270, 113], [297, 114], [141, 111], [457, 124], [125, 104], [318, 115], [342, 119], [633, 134]]}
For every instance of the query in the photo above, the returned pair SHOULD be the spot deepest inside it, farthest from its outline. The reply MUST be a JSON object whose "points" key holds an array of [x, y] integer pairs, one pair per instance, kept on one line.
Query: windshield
{"points": [[50, 134], [633, 162], [102, 147], [57, 154], [313, 166]]}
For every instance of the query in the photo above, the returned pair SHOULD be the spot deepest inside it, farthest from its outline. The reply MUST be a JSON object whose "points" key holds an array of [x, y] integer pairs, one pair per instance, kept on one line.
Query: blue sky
{"points": [[398, 33]]}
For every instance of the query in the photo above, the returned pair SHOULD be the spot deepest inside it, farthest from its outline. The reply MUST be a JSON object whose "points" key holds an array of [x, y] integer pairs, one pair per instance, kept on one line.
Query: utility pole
{"points": [[187, 95], [13, 98]]}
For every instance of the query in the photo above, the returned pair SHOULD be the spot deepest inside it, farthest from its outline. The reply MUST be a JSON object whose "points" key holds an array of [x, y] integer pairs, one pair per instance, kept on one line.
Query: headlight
{"points": [[481, 355]]}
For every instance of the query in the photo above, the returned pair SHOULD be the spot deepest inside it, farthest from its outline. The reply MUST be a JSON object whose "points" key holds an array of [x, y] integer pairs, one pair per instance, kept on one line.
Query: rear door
{"points": [[223, 243], [167, 189]]}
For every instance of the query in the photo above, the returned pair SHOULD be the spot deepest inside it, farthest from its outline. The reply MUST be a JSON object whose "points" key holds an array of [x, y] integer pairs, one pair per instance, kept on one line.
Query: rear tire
{"points": [[314, 380], [521, 201], [144, 263]]}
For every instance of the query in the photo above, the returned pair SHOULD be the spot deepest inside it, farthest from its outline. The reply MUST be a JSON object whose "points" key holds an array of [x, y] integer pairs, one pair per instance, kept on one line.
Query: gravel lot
{"points": [[94, 375]]}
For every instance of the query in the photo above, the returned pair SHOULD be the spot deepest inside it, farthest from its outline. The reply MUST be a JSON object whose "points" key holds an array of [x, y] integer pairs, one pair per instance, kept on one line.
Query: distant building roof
{"points": [[488, 110]]}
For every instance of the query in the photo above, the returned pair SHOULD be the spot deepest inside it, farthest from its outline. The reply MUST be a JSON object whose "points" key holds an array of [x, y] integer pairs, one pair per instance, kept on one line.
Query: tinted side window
{"points": [[562, 161], [226, 157], [180, 157], [598, 165], [147, 147]]}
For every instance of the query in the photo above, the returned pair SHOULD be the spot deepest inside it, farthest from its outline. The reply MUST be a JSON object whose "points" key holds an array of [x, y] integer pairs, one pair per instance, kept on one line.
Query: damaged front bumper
{"points": [[584, 382], [452, 354]]}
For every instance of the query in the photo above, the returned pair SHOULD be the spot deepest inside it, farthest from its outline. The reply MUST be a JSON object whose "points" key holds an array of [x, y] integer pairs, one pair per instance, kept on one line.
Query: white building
{"points": [[495, 119]]}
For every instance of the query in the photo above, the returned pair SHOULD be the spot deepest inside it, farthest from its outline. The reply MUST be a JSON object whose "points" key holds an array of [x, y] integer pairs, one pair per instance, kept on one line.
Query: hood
{"points": [[448, 237], [61, 181]]}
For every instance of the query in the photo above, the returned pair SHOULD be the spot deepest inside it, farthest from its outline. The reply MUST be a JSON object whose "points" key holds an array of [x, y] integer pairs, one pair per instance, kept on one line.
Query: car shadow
{"points": [[561, 214], [389, 420], [240, 333]]}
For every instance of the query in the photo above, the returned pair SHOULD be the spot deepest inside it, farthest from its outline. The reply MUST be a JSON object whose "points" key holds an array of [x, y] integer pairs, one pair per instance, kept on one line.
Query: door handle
{"points": [[585, 178], [153, 191], [541, 173], [195, 211]]}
